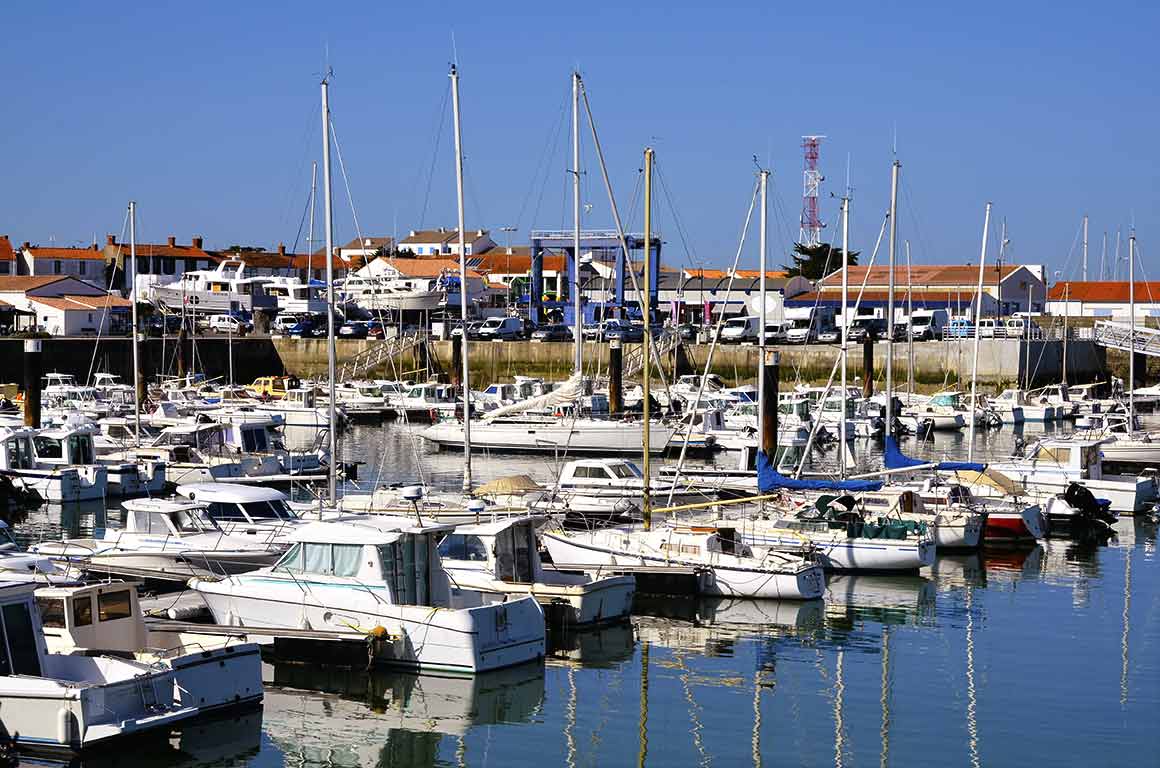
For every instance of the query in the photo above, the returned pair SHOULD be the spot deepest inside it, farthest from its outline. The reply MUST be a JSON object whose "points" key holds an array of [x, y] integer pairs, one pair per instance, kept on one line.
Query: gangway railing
{"points": [[1119, 336], [378, 353]]}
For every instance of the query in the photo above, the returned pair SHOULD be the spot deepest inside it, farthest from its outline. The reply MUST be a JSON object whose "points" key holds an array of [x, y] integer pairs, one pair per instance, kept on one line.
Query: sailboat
{"points": [[730, 567]]}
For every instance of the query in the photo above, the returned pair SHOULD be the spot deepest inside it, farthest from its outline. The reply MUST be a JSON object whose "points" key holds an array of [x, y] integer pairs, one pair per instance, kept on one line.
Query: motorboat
{"points": [[621, 478], [73, 445], [17, 565], [1016, 406], [380, 576], [206, 451], [729, 566], [210, 672], [1010, 520], [220, 290], [501, 560], [166, 539], [300, 408], [952, 525], [375, 294], [55, 482], [1051, 464], [428, 402], [1077, 513], [294, 296], [72, 702], [551, 434], [943, 411]]}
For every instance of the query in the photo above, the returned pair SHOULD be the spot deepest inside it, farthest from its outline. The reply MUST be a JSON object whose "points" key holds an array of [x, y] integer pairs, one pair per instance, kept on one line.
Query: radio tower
{"points": [[811, 222]]}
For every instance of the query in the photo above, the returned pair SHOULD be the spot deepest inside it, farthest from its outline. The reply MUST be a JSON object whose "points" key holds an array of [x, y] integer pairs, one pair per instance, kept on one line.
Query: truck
{"points": [[805, 323], [741, 329]]}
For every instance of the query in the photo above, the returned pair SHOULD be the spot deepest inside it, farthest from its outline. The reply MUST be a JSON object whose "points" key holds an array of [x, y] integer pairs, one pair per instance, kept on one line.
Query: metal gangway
{"points": [[662, 345], [377, 353], [1119, 336]]}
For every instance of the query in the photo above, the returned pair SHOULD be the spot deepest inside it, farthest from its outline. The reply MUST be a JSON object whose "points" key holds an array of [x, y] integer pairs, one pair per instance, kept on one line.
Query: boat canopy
{"points": [[769, 479], [894, 458]]}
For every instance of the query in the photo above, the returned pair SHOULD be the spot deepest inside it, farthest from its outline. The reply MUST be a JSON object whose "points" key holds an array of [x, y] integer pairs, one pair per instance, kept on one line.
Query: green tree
{"points": [[814, 262]]}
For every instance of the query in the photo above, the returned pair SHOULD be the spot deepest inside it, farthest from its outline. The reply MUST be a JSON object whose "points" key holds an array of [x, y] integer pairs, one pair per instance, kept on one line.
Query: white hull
{"points": [[940, 422], [804, 583], [130, 479], [840, 553], [465, 640], [1130, 495], [580, 436], [608, 599], [67, 484]]}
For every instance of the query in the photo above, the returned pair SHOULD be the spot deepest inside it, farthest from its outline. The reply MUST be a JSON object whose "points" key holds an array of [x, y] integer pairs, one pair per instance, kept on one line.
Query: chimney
{"points": [[172, 241], [111, 239], [281, 249], [479, 233], [196, 242], [26, 246]]}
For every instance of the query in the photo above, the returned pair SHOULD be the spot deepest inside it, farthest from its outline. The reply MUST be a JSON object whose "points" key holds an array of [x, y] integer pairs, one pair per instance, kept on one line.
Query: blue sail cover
{"points": [[769, 479], [896, 459]]}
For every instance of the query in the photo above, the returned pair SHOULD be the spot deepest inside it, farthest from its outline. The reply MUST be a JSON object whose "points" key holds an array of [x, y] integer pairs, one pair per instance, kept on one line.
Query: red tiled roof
{"points": [[756, 273], [443, 236], [317, 261], [83, 302], [87, 254], [519, 261], [429, 267], [22, 283], [6, 252], [1106, 290], [926, 274]]}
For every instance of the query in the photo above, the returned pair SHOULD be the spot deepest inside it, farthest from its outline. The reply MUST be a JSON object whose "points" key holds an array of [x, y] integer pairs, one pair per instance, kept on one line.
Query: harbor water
{"points": [[1044, 655]]}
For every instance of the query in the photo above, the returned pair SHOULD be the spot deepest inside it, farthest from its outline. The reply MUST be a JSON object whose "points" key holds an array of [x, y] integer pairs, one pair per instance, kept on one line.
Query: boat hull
{"points": [[468, 640], [602, 438]]}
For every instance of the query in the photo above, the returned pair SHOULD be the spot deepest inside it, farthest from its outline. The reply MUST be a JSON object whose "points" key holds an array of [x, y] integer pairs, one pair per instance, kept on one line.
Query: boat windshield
{"points": [[625, 471], [459, 546]]}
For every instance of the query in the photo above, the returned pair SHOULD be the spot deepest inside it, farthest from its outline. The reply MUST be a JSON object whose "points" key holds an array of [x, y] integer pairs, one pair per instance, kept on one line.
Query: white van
{"points": [[229, 324], [928, 324], [740, 329], [1017, 326], [989, 328], [496, 328]]}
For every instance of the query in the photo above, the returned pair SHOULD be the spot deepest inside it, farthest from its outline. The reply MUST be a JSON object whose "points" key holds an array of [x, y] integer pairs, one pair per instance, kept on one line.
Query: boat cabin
{"points": [[1079, 457], [403, 558], [104, 617], [22, 645], [167, 517], [225, 502], [505, 550], [600, 473], [65, 446], [16, 448]]}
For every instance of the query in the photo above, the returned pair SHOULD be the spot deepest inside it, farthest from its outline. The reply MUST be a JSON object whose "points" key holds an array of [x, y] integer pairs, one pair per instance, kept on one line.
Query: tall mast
{"points": [[910, 325], [1085, 248], [648, 170], [845, 323], [1132, 330], [577, 335], [133, 297], [894, 170], [978, 317], [1104, 257], [328, 224], [761, 292], [310, 232], [462, 283]]}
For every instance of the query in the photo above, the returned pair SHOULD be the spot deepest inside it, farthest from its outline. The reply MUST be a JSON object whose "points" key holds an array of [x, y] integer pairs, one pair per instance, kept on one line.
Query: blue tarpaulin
{"points": [[895, 459], [769, 479]]}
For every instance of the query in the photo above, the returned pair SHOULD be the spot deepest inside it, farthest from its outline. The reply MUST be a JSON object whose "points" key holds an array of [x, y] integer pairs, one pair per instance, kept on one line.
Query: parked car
{"points": [[990, 328], [283, 323], [554, 332], [775, 333], [230, 324], [928, 324], [376, 329], [628, 333], [356, 329], [959, 328], [308, 328], [829, 336], [687, 331], [472, 330], [501, 328]]}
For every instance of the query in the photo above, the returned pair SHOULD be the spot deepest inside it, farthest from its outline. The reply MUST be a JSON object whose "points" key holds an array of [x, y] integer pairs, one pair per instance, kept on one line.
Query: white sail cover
{"points": [[565, 394]]}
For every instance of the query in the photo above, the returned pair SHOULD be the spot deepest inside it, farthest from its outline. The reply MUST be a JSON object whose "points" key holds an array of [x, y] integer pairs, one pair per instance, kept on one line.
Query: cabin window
{"points": [[1059, 455], [48, 448], [325, 559], [80, 448], [405, 569], [513, 554], [21, 657], [51, 612], [623, 471], [254, 440], [458, 546], [19, 454], [346, 559], [82, 612], [114, 605]]}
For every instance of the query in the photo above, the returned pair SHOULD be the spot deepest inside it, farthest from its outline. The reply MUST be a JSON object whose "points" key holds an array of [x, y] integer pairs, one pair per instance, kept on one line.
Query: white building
{"points": [[1103, 299], [85, 263], [65, 305], [445, 242]]}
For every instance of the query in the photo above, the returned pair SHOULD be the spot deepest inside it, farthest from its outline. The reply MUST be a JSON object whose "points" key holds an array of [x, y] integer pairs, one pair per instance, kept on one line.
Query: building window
{"points": [[157, 265], [56, 267], [81, 266], [142, 265], [168, 265], [5, 268]]}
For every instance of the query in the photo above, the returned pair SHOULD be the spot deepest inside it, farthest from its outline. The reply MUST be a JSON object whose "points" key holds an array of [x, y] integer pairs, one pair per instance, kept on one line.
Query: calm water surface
{"points": [[1048, 655]]}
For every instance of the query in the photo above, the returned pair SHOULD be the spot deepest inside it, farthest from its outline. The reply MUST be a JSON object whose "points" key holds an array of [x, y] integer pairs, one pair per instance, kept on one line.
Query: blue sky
{"points": [[207, 115]]}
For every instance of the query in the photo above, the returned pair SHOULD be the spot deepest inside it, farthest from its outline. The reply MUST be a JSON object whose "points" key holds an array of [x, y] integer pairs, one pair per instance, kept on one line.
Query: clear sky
{"points": [[207, 114]]}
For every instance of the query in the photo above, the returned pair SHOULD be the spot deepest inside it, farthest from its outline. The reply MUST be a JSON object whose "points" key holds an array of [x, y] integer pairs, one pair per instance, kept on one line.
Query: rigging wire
{"points": [[434, 155], [346, 183], [542, 164]]}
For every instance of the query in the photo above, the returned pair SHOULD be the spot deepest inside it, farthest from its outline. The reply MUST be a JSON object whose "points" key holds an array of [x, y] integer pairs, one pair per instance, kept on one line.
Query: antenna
{"points": [[810, 233], [454, 50]]}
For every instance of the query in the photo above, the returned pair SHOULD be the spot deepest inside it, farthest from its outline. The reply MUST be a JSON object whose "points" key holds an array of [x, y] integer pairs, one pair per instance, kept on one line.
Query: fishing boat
{"points": [[500, 560], [210, 672], [17, 565], [294, 296], [1015, 406], [73, 702], [54, 482], [380, 576], [72, 445], [165, 539]]}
